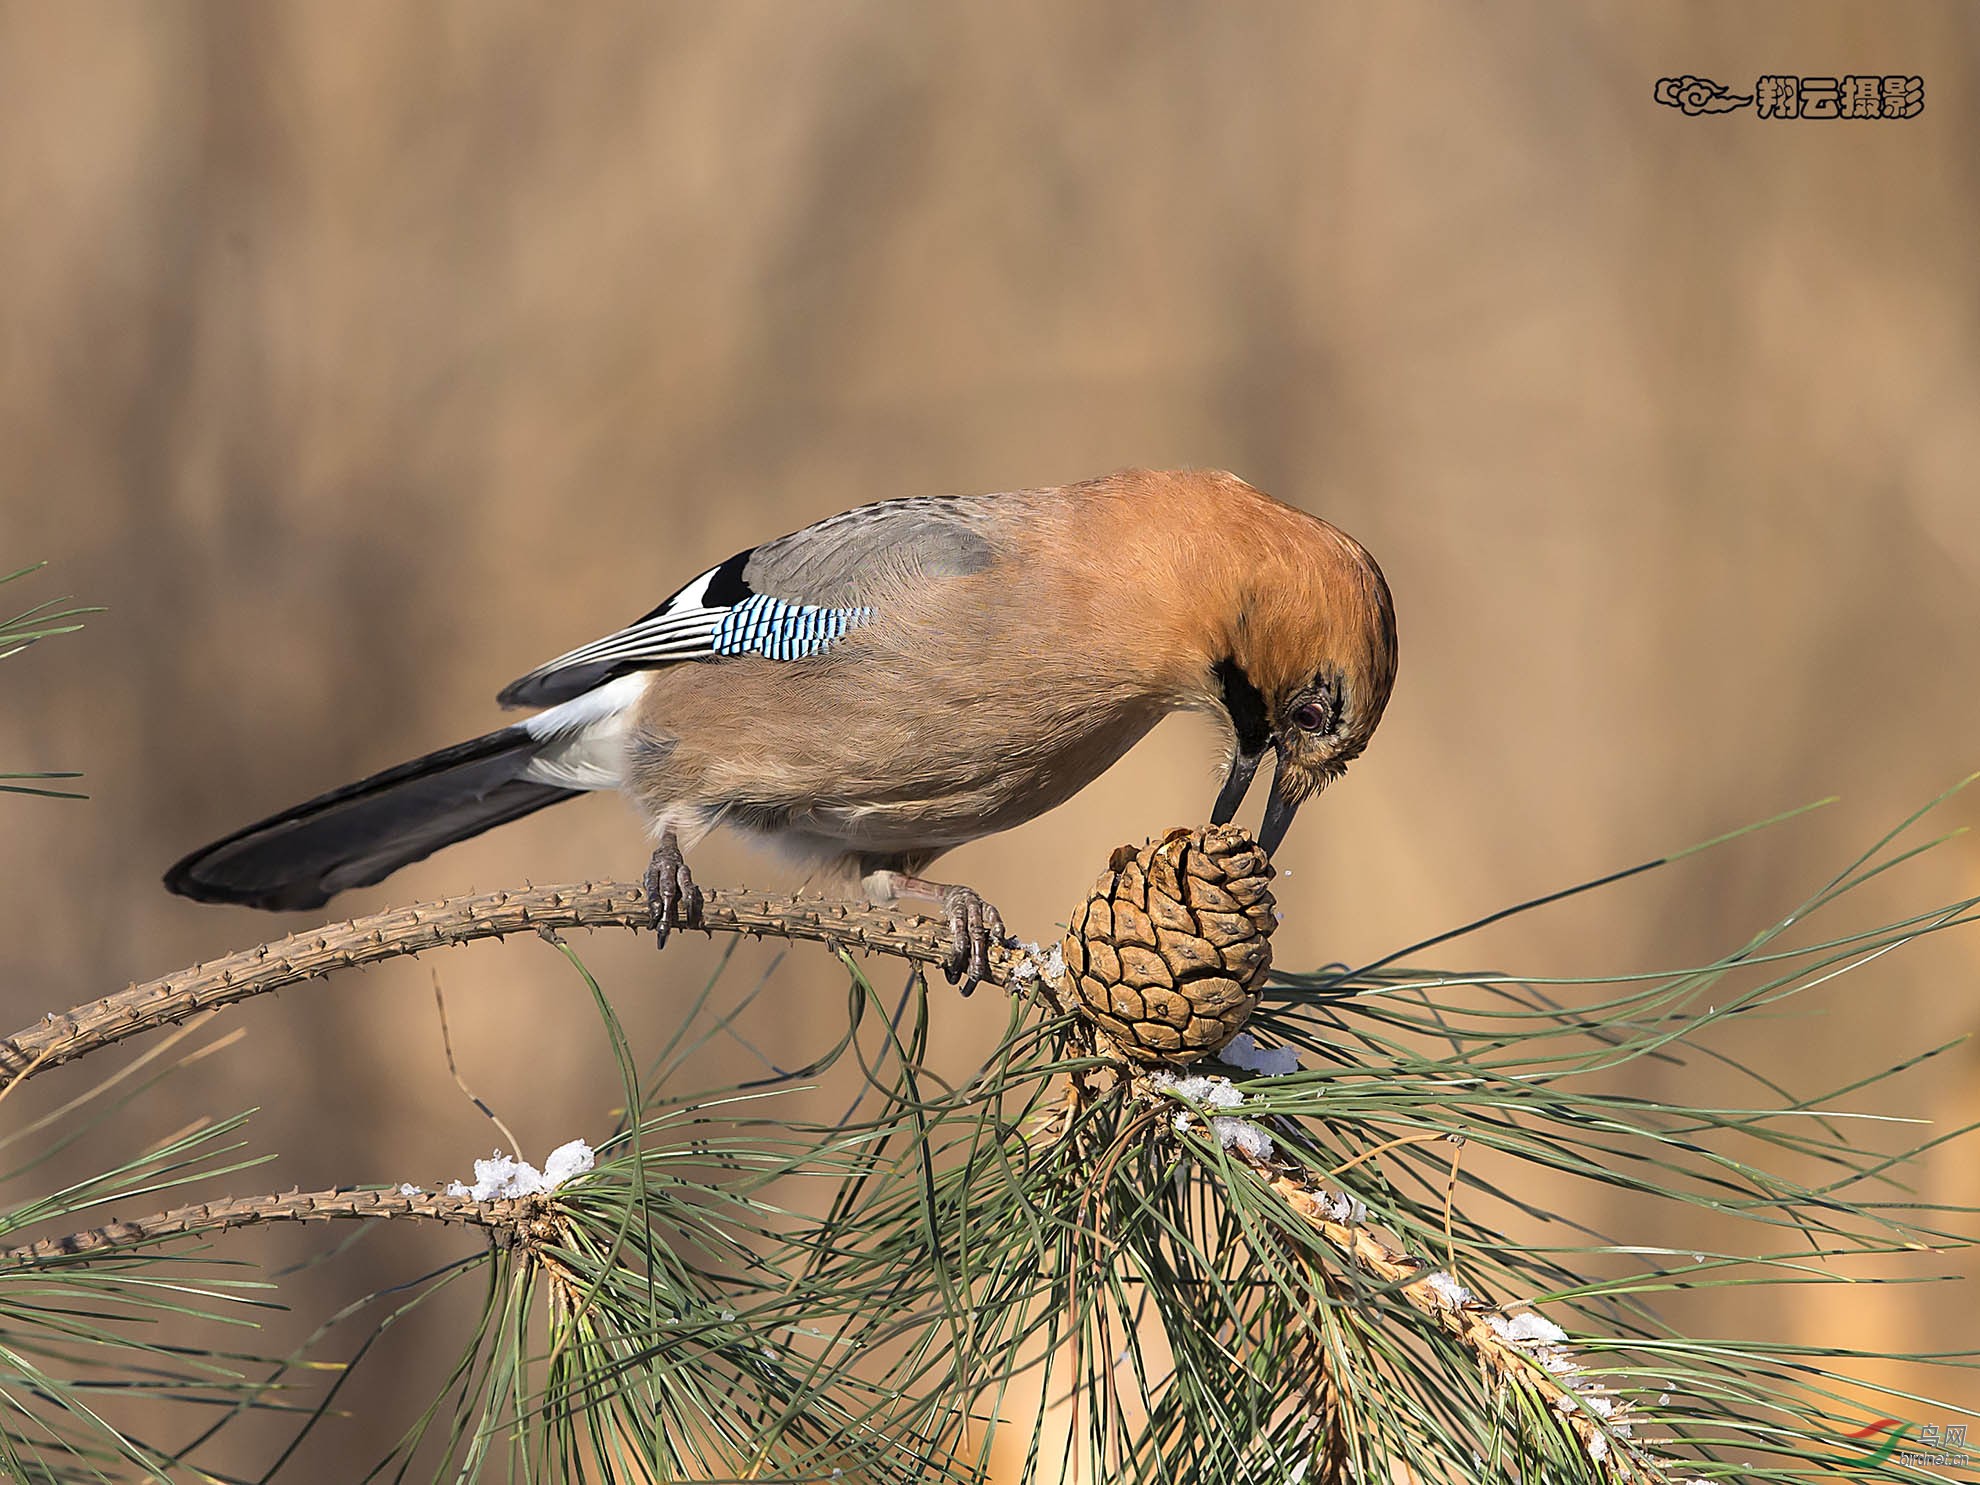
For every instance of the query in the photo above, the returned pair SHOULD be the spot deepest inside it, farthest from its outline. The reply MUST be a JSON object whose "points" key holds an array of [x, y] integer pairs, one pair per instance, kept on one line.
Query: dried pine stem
{"points": [[317, 952], [1604, 1435], [511, 1220]]}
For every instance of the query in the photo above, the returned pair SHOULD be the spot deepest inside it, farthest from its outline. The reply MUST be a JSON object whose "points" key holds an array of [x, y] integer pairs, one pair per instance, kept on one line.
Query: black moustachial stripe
{"points": [[1246, 705]]}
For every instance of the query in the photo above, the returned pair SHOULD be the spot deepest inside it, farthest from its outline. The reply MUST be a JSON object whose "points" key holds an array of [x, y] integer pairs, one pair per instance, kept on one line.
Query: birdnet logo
{"points": [[1935, 1446], [1881, 1438], [1778, 96]]}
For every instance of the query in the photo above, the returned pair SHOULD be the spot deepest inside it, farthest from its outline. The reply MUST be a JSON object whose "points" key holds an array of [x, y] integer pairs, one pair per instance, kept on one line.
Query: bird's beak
{"points": [[1280, 807], [1236, 784]]}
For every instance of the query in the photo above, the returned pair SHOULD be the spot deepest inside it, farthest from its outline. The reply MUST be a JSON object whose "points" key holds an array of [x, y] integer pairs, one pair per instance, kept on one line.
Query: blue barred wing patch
{"points": [[779, 630]]}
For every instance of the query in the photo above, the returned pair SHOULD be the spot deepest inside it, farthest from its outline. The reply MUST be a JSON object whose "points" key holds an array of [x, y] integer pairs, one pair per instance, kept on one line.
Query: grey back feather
{"points": [[842, 562]]}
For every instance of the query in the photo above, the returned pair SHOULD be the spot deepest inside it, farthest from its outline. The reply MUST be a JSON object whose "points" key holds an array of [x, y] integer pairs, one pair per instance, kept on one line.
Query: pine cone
{"points": [[1168, 952]]}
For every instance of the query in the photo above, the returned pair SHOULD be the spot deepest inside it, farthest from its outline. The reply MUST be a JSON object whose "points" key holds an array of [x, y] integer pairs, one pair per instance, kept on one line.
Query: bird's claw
{"points": [[671, 895], [973, 926]]}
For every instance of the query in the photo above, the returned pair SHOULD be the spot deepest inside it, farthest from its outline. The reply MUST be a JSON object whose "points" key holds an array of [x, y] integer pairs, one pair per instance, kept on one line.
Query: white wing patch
{"points": [[681, 628], [689, 626], [584, 739]]}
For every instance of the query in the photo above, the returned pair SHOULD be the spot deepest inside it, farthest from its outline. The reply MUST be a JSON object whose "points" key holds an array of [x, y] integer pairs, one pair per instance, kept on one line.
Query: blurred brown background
{"points": [[361, 356]]}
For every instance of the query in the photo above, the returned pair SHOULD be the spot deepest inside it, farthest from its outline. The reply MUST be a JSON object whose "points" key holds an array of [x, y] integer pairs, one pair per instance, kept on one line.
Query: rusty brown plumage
{"points": [[973, 703], [880, 687]]}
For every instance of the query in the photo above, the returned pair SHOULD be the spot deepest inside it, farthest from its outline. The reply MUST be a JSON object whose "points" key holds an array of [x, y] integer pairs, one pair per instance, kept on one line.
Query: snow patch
{"points": [[1034, 963], [1219, 1093], [1449, 1290], [1248, 1139], [1348, 1210], [572, 1158], [1527, 1330], [503, 1176], [1268, 1062], [1241, 1135]]}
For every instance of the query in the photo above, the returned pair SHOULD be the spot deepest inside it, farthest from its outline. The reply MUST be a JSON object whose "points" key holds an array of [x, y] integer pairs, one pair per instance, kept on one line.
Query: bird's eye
{"points": [[1310, 718]]}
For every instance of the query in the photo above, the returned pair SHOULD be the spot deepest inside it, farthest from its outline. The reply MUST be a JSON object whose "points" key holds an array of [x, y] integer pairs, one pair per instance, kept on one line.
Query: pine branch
{"points": [[1258, 1242], [1484, 1330], [318, 952], [510, 1221]]}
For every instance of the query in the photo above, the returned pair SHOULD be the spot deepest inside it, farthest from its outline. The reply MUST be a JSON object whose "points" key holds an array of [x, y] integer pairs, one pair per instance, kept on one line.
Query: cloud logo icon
{"points": [[1696, 95]]}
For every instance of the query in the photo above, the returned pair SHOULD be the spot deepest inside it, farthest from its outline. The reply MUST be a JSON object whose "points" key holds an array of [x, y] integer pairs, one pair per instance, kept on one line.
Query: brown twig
{"points": [[512, 1220], [453, 1068], [317, 952]]}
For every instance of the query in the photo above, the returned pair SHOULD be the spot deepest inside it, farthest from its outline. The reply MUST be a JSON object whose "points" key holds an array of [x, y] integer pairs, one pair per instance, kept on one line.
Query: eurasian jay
{"points": [[886, 684]]}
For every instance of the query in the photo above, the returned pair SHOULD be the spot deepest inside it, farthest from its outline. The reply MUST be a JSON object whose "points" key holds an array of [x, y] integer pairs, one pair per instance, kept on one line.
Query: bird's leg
{"points": [[973, 923], [671, 895]]}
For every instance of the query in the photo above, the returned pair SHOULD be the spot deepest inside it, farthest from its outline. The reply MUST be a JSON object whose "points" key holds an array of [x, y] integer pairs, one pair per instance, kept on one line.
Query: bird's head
{"points": [[1308, 659]]}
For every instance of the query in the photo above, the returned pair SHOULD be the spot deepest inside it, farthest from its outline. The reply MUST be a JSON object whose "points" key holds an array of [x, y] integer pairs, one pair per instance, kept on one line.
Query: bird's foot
{"points": [[974, 925], [671, 895]]}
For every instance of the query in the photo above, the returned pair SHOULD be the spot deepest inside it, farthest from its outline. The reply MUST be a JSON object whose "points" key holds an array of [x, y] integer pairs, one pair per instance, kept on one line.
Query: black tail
{"points": [[362, 833]]}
